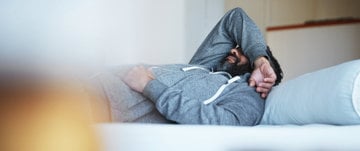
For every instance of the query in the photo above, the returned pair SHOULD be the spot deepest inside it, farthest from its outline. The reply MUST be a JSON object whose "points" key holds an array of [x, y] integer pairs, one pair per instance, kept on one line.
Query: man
{"points": [[212, 89]]}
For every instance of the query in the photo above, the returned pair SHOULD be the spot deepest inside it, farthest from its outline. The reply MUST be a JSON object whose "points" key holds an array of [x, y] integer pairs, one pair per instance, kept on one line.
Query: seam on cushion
{"points": [[356, 94]]}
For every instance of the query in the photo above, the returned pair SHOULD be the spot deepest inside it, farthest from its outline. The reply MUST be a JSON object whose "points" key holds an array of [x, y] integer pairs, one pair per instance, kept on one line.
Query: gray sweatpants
{"points": [[123, 104]]}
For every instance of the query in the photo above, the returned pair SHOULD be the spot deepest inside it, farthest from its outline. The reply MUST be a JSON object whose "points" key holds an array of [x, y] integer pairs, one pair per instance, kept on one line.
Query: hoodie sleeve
{"points": [[234, 28], [174, 106]]}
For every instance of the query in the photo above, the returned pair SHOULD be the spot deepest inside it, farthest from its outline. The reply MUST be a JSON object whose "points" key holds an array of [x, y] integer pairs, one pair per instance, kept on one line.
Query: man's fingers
{"points": [[264, 95], [150, 73], [270, 80], [266, 85], [262, 90], [252, 82]]}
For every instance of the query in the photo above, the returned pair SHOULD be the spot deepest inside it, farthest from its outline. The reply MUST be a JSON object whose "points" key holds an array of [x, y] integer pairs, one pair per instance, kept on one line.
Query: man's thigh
{"points": [[123, 104]]}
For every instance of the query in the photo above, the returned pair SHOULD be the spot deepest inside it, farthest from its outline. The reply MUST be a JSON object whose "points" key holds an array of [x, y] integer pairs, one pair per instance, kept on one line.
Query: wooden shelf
{"points": [[315, 24]]}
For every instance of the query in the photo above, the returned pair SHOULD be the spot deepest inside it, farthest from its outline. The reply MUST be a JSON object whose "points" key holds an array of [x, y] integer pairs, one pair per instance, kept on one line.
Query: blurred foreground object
{"points": [[40, 114]]}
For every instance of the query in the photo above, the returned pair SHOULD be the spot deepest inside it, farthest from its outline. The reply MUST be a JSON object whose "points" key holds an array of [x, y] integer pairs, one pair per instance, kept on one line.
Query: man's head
{"points": [[235, 63]]}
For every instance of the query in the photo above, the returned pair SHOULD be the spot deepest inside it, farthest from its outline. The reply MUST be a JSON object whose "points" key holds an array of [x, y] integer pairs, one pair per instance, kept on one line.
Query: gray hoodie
{"points": [[198, 96], [195, 95], [188, 94]]}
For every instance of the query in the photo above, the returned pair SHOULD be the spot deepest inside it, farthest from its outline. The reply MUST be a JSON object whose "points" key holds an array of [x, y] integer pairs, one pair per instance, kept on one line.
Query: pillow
{"points": [[327, 96]]}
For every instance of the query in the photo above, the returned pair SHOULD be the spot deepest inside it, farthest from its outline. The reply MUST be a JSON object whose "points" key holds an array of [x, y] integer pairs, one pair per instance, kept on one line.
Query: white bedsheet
{"points": [[160, 137]]}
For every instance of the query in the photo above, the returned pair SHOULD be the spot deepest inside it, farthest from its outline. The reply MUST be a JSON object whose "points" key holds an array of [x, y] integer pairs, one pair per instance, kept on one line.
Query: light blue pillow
{"points": [[327, 96]]}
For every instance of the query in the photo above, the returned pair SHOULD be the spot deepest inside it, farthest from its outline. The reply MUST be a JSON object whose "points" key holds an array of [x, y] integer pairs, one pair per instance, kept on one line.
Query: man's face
{"points": [[236, 63]]}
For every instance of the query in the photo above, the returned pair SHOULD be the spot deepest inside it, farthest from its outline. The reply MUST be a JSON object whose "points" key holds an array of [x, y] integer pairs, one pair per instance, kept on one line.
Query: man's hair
{"points": [[276, 66]]}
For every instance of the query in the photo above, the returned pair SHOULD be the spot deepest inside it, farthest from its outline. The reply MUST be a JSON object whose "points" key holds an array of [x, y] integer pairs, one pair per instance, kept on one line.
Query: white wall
{"points": [[144, 31], [267, 13], [106, 32], [115, 32], [256, 10], [304, 50], [201, 17], [285, 12], [337, 8]]}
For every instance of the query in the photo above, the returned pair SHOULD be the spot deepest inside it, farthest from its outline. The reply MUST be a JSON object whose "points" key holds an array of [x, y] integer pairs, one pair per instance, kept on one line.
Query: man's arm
{"points": [[172, 104], [138, 77], [236, 28], [175, 106]]}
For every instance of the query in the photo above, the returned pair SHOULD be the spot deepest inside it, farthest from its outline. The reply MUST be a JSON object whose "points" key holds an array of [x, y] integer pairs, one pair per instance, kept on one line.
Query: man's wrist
{"points": [[260, 60]]}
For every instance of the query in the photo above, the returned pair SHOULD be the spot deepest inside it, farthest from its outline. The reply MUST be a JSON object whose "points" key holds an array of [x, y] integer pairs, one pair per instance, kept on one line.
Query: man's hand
{"points": [[263, 76], [138, 77]]}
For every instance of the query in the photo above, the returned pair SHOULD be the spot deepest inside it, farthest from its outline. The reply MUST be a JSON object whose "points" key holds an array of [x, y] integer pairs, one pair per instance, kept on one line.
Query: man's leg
{"points": [[234, 28], [124, 104]]}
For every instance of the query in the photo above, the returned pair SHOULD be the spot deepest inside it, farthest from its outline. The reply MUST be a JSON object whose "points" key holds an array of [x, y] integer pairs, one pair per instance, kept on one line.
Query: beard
{"points": [[233, 69]]}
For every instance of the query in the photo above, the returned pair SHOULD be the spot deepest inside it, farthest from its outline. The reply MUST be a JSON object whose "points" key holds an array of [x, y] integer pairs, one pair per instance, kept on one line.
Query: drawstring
{"points": [[194, 67], [210, 72], [221, 89], [223, 73]]}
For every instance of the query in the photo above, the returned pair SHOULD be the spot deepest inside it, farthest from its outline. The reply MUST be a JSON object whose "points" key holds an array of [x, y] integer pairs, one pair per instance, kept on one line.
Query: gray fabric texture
{"points": [[177, 96]]}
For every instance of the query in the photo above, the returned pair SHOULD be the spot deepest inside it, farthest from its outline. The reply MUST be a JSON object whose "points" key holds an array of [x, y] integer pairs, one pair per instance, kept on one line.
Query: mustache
{"points": [[233, 68], [237, 60]]}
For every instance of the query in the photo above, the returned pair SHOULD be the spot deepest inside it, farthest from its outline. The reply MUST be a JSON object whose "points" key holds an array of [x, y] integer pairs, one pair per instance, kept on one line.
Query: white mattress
{"points": [[160, 137]]}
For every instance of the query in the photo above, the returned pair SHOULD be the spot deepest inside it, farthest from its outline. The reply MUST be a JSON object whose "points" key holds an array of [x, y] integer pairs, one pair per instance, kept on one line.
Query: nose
{"points": [[242, 59], [234, 52]]}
